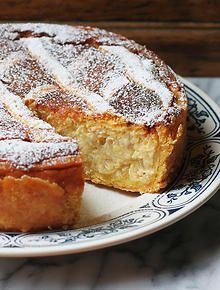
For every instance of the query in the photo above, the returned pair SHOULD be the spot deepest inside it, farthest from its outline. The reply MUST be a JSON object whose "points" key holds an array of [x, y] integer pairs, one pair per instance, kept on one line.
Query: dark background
{"points": [[186, 34]]}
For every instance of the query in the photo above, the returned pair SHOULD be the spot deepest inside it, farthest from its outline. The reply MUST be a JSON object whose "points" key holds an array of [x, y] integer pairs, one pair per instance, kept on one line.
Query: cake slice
{"points": [[41, 173]]}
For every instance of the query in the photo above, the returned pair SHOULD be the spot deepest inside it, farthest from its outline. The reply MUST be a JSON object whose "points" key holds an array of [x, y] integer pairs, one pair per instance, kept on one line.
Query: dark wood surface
{"points": [[109, 10], [185, 33]]}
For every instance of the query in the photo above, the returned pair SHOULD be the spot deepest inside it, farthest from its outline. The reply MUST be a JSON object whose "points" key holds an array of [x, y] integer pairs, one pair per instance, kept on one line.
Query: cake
{"points": [[125, 107]]}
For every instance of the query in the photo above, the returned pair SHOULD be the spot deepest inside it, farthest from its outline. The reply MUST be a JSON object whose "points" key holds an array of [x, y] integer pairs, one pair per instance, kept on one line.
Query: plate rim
{"points": [[121, 237]]}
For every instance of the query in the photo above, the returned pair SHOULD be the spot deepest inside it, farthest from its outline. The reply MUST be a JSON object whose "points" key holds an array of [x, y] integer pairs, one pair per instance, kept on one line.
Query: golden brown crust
{"points": [[43, 199]]}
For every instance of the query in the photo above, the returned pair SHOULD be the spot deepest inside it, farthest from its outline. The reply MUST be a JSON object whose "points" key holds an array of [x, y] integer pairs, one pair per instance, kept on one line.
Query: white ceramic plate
{"points": [[111, 217]]}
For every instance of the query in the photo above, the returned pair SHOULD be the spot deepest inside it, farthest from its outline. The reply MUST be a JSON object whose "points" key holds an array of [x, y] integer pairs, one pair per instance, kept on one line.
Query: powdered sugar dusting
{"points": [[10, 128], [36, 49], [98, 72], [128, 100], [141, 72], [18, 109], [114, 84], [26, 140], [23, 73], [53, 96], [24, 154], [63, 77]]}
